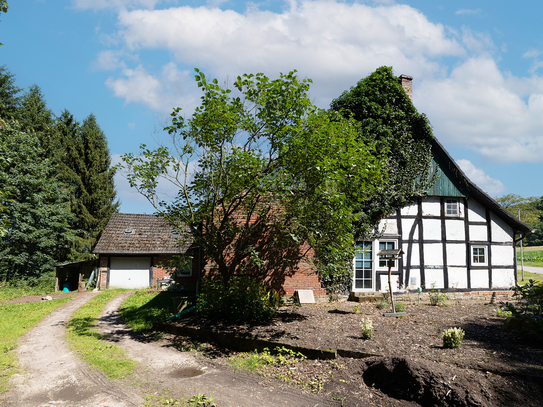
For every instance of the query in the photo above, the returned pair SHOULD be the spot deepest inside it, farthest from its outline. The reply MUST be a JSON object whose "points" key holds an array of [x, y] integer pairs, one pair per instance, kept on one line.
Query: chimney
{"points": [[407, 85]]}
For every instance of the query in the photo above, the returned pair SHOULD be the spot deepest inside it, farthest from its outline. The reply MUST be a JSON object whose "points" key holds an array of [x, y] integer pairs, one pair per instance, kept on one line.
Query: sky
{"points": [[477, 67]]}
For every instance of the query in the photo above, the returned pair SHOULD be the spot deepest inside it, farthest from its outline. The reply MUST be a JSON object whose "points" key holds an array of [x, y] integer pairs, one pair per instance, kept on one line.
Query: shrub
{"points": [[241, 300], [366, 326], [452, 338], [437, 298], [528, 309], [399, 306], [382, 304]]}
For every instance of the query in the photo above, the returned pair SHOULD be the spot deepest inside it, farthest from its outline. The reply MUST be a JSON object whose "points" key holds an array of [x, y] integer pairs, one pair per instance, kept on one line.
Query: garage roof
{"points": [[128, 233]]}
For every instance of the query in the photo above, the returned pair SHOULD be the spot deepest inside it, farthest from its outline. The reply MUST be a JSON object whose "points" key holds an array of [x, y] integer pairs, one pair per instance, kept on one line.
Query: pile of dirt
{"points": [[493, 367]]}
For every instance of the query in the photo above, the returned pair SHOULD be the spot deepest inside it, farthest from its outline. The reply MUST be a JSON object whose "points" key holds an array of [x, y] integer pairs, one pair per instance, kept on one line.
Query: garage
{"points": [[129, 272]]}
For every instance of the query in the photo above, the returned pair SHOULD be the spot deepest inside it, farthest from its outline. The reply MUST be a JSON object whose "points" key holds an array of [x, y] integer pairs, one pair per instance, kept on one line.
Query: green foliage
{"points": [[452, 338], [10, 99], [437, 298], [366, 328], [36, 209], [389, 121], [141, 309], [529, 300], [200, 400], [530, 210], [531, 257], [503, 313], [254, 361], [241, 300], [89, 344], [399, 306], [15, 321], [382, 303], [275, 178]]}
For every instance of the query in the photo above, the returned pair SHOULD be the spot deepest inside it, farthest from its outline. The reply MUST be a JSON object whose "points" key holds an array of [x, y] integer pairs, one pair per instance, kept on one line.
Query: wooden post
{"points": [[390, 262]]}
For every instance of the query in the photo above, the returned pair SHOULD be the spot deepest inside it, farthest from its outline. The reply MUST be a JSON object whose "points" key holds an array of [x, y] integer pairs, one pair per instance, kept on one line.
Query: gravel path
{"points": [[54, 376]]}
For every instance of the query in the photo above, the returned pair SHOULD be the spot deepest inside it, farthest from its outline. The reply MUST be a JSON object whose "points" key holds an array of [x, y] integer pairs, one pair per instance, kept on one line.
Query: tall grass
{"points": [[15, 321], [90, 345], [9, 291]]}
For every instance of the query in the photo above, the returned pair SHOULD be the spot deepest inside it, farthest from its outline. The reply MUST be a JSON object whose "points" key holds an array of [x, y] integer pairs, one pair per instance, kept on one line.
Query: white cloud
{"points": [[108, 60], [161, 93], [468, 11], [477, 106], [113, 4], [492, 187]]}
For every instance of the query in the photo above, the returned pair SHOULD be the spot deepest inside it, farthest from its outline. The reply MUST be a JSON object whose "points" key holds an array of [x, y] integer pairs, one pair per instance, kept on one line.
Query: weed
{"points": [[503, 313], [356, 309], [382, 303], [366, 326], [452, 338], [201, 400], [399, 306], [437, 298]]}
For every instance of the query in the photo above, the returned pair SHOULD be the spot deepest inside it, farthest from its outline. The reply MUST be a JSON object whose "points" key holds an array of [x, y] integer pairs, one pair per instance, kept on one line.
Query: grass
{"points": [[143, 308], [89, 344], [7, 291], [529, 276], [15, 321]]}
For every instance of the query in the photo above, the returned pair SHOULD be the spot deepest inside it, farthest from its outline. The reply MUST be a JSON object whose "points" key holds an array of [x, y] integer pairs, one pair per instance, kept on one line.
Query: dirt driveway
{"points": [[55, 376]]}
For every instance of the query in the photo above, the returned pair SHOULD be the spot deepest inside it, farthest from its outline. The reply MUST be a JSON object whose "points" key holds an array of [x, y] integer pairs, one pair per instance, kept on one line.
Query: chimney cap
{"points": [[410, 78]]}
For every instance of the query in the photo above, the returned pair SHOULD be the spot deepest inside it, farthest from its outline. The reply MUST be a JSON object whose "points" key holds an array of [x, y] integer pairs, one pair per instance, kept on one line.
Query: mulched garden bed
{"points": [[493, 367]]}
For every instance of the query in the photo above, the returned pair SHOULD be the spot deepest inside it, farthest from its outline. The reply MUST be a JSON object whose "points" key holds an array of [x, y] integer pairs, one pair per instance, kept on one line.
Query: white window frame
{"points": [[378, 259], [473, 255], [451, 201], [354, 288]]}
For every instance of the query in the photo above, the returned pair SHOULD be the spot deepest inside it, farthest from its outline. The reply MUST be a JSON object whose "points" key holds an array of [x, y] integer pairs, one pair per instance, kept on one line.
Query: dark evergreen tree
{"points": [[36, 117], [10, 100], [84, 164], [36, 208]]}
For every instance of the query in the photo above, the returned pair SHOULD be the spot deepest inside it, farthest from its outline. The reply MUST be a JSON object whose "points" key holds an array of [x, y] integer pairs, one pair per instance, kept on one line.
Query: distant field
{"points": [[531, 256], [532, 248]]}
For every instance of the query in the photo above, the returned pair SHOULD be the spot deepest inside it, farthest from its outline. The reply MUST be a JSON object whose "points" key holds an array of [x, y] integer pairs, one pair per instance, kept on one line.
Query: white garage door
{"points": [[129, 272]]}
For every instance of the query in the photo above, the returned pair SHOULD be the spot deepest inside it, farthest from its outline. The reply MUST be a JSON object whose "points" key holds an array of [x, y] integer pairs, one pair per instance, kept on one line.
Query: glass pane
{"points": [[359, 284]]}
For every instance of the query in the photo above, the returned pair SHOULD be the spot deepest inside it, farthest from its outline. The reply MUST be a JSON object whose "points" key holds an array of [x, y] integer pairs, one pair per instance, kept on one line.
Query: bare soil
{"points": [[493, 367]]}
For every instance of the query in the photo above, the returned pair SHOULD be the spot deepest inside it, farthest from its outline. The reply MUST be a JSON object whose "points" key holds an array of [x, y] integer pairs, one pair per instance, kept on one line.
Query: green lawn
{"points": [[15, 321]]}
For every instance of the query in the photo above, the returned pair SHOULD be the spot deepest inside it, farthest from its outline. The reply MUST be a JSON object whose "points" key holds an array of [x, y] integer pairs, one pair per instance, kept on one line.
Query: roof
{"points": [[453, 182], [128, 233]]}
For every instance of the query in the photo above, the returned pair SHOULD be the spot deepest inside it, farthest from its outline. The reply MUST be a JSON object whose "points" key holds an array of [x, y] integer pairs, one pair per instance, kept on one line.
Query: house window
{"points": [[363, 273], [451, 207], [184, 267], [383, 262], [478, 255]]}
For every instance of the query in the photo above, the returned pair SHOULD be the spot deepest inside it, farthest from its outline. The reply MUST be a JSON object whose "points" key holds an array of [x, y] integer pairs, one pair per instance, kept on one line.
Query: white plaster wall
{"points": [[479, 278], [434, 278], [458, 277], [500, 231], [476, 211], [384, 282], [413, 273], [407, 225], [503, 256], [431, 207], [410, 210], [455, 229], [456, 254], [503, 278], [433, 254], [389, 226], [478, 233], [431, 229], [415, 257]]}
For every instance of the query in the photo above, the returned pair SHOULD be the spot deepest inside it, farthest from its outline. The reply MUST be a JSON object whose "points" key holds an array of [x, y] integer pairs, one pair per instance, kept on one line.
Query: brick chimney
{"points": [[407, 85]]}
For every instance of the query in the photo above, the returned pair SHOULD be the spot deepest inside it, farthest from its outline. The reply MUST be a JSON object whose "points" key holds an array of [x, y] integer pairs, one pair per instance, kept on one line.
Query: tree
{"points": [[10, 100], [35, 117], [83, 162], [36, 208], [531, 213], [263, 176], [388, 120]]}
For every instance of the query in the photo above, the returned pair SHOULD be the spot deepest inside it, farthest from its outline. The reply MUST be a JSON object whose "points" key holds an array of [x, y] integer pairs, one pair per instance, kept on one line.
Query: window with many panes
{"points": [[478, 256], [452, 207], [383, 262], [363, 270]]}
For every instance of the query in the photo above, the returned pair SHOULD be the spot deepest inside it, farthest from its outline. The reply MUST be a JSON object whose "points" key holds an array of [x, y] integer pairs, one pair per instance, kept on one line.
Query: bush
{"points": [[528, 310], [366, 326], [241, 300], [382, 304], [452, 338], [399, 306], [437, 298]]}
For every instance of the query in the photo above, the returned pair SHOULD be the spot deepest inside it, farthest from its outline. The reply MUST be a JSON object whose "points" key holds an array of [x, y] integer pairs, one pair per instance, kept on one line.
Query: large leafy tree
{"points": [[388, 120], [36, 208], [263, 176], [84, 166], [530, 211]]}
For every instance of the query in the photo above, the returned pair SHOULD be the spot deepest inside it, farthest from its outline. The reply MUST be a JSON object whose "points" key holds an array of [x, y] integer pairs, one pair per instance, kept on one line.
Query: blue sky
{"points": [[477, 66]]}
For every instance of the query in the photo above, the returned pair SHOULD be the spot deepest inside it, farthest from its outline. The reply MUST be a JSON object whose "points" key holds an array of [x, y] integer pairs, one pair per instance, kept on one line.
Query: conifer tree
{"points": [[36, 117], [10, 100]]}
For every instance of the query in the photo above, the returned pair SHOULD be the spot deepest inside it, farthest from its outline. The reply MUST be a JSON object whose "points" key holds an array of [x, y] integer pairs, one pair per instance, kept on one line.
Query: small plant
{"points": [[399, 306], [437, 298], [452, 338], [201, 400], [356, 309], [366, 326], [503, 313], [382, 304]]}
